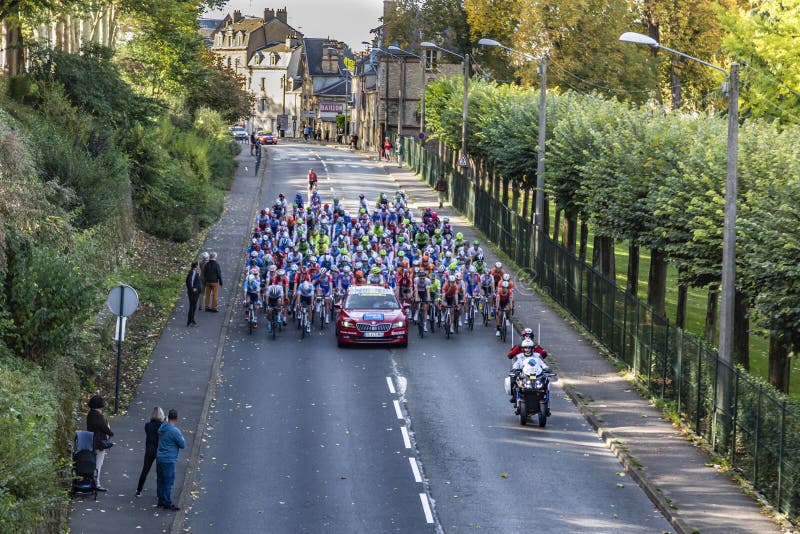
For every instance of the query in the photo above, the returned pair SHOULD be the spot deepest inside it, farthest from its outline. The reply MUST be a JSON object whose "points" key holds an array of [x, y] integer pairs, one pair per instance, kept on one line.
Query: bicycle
{"points": [[471, 314], [503, 325], [448, 321], [273, 320], [321, 309], [252, 321], [303, 321]]}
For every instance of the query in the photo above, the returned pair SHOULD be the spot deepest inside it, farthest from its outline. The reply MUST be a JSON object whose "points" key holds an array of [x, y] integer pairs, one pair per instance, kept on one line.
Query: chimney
{"points": [[331, 51], [291, 40], [269, 14], [237, 16], [282, 15]]}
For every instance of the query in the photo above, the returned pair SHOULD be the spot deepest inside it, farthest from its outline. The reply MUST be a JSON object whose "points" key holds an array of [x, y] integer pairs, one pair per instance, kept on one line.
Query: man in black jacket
{"points": [[193, 288], [212, 275]]}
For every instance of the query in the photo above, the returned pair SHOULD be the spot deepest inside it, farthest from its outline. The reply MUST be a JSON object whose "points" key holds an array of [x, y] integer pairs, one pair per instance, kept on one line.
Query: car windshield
{"points": [[371, 301]]}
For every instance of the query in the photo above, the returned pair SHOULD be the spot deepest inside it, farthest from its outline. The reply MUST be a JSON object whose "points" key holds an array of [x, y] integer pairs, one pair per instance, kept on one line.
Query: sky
{"points": [[343, 20]]}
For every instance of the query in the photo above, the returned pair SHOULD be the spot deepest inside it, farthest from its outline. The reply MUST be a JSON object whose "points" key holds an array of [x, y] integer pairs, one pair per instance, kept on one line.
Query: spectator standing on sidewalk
{"points": [[201, 266], [150, 446], [387, 149], [252, 142], [193, 289], [399, 153], [212, 274], [170, 442], [96, 422], [441, 189]]}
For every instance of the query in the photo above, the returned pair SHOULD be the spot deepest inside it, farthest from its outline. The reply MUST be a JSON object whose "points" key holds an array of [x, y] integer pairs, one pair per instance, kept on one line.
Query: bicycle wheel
{"points": [[447, 323], [421, 326], [471, 317], [504, 328], [274, 321]]}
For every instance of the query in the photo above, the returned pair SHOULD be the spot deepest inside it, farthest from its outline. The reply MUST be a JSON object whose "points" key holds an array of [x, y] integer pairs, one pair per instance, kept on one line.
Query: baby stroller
{"points": [[83, 465]]}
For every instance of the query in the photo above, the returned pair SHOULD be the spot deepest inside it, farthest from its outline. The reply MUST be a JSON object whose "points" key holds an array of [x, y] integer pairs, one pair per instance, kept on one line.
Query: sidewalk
{"points": [[671, 471], [182, 368]]}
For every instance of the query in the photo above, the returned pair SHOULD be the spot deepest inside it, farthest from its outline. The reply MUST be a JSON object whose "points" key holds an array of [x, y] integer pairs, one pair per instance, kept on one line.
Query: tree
{"points": [[764, 38], [223, 91], [581, 40], [493, 19]]}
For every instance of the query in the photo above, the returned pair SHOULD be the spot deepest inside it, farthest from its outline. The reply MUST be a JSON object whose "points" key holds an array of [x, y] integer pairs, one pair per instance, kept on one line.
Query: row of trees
{"points": [[655, 180], [96, 143], [581, 42]]}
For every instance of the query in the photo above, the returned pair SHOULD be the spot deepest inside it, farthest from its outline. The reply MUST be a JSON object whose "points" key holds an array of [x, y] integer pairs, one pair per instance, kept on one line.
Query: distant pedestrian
{"points": [[306, 133], [170, 442], [212, 274], [387, 149], [150, 445], [252, 143], [96, 422], [258, 157], [193, 289], [441, 189], [319, 133], [201, 266], [400, 151], [327, 134]]}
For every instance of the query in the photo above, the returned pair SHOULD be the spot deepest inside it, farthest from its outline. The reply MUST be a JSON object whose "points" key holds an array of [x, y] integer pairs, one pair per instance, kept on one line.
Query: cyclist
{"points": [[250, 297], [405, 284], [422, 288], [275, 296], [472, 287], [450, 292], [505, 300], [375, 277], [323, 283], [312, 179], [303, 296]]}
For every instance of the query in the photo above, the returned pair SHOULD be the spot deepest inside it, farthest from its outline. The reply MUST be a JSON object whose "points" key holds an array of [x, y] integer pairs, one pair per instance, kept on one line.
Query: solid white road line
{"points": [[391, 385], [406, 439], [415, 469], [397, 409], [426, 507]]}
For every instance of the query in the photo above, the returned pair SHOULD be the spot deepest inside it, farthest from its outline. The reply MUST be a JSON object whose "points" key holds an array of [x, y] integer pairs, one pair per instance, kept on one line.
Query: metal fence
{"points": [[743, 420]]}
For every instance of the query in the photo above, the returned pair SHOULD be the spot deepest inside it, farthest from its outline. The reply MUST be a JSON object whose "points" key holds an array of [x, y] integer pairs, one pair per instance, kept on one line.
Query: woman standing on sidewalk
{"points": [[96, 422], [151, 445]]}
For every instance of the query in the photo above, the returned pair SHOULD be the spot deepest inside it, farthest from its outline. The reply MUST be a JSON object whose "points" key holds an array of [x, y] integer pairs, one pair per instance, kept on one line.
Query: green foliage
{"points": [[224, 92], [28, 466]]}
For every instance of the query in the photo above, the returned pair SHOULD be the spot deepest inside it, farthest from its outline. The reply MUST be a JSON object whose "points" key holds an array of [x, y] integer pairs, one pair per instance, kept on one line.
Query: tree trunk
{"points": [[741, 331], [557, 226], [569, 227], [14, 53], [504, 192], [711, 315], [680, 314], [633, 269], [675, 83], [526, 197], [584, 241], [514, 198], [779, 363], [603, 256], [657, 281], [546, 217]]}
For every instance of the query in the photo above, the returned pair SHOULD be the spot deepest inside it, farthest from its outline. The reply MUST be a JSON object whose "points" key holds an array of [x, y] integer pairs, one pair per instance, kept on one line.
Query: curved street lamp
{"points": [[729, 229]]}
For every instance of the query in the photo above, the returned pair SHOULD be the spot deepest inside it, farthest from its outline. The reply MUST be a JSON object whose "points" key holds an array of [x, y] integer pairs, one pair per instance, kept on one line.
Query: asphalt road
{"points": [[305, 437]]}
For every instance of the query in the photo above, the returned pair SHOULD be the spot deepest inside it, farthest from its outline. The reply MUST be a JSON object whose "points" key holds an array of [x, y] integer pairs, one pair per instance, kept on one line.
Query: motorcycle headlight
{"points": [[527, 383], [399, 324], [538, 384], [347, 323]]}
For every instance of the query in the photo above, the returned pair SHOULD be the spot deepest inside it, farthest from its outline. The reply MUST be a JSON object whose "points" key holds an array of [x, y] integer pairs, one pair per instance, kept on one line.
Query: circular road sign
{"points": [[122, 300]]}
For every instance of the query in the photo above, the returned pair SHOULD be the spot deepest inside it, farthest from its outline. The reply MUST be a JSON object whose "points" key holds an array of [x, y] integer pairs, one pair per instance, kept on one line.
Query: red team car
{"points": [[371, 314]]}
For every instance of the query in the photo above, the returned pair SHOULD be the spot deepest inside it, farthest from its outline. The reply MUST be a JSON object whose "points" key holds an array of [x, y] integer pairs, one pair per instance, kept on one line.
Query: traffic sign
{"points": [[122, 300], [462, 161], [422, 135]]}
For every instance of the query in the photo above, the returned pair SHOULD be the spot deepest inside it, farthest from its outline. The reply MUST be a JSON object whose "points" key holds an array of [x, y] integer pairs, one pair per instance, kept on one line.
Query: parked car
{"points": [[238, 133], [371, 314], [267, 138]]}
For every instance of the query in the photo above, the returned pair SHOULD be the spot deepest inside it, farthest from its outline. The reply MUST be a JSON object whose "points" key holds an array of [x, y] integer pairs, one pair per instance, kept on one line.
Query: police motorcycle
{"points": [[529, 386]]}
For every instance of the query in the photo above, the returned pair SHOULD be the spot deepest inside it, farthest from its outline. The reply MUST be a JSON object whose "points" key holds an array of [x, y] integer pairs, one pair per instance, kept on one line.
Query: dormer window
{"points": [[273, 58], [430, 59]]}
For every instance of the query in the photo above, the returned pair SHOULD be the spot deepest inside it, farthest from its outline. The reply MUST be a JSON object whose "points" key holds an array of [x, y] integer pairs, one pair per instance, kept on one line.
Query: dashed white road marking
{"points": [[406, 439], [426, 507], [415, 469], [391, 385], [397, 409]]}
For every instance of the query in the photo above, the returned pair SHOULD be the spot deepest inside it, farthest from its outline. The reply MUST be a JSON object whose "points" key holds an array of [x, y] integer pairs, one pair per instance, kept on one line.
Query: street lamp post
{"points": [[406, 53], [464, 104], [731, 170]]}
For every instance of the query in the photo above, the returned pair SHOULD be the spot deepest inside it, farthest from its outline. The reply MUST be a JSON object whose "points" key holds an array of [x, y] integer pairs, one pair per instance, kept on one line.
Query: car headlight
{"points": [[399, 324], [347, 323]]}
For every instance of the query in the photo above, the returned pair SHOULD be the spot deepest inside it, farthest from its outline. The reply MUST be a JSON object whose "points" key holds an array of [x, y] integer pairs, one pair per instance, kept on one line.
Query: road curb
{"points": [[652, 492], [192, 465]]}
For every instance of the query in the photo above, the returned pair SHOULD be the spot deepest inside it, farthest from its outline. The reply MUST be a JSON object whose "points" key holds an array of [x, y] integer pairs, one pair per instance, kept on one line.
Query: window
{"points": [[263, 84], [430, 59], [263, 104], [236, 70]]}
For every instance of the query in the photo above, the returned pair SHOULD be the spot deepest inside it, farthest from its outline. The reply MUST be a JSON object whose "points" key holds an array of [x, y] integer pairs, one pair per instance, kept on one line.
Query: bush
{"points": [[29, 482]]}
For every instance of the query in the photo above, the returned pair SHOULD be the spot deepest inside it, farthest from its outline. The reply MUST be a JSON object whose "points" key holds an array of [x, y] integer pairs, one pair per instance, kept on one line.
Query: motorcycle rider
{"points": [[527, 351], [518, 349]]}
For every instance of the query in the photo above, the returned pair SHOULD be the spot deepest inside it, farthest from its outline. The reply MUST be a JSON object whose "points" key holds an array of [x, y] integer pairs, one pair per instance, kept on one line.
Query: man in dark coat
{"points": [[96, 422], [212, 275], [193, 289]]}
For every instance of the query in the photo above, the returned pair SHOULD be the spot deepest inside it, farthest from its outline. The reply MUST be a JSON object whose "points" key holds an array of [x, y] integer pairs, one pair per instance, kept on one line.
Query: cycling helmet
{"points": [[505, 283], [251, 278], [346, 269], [476, 243], [294, 267], [401, 254], [383, 252], [358, 265], [453, 266], [281, 195], [452, 278], [472, 269], [458, 275], [498, 265], [254, 254], [506, 277], [272, 268], [312, 259], [361, 195], [281, 272], [323, 271], [440, 268], [527, 333], [459, 236], [376, 270], [434, 214], [446, 220]]}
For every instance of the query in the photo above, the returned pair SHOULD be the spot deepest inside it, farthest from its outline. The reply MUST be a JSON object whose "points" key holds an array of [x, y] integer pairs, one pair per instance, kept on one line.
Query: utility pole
{"points": [[729, 224], [464, 109], [422, 100]]}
